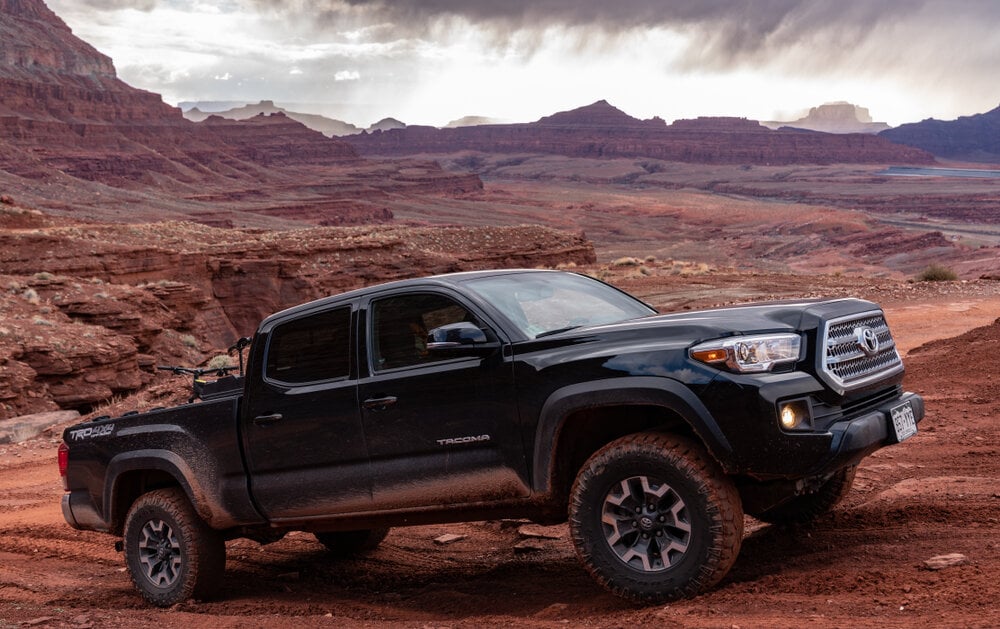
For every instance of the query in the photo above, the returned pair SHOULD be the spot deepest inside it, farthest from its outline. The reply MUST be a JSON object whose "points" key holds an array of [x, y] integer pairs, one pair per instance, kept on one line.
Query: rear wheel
{"points": [[171, 554], [349, 543], [654, 518], [808, 507]]}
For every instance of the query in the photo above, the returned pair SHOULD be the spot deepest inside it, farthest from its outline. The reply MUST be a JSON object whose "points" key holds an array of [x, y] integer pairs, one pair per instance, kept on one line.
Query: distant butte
{"points": [[604, 131], [839, 117]]}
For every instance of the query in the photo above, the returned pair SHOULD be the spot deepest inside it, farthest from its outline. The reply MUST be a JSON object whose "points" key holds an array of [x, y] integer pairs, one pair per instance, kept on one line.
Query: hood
{"points": [[672, 331]]}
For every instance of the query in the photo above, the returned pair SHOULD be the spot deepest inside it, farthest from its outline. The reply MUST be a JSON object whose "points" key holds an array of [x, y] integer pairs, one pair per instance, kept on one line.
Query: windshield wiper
{"points": [[557, 331]]}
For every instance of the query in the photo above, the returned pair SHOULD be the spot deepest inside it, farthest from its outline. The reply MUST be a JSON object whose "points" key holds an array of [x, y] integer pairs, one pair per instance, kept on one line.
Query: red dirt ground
{"points": [[862, 565]]}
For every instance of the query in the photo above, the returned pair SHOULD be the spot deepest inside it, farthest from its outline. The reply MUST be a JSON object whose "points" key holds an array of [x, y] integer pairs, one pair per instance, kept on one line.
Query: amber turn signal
{"points": [[711, 355]]}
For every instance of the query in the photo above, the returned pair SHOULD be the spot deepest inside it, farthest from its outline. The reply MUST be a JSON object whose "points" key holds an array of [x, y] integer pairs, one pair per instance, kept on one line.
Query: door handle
{"points": [[379, 403], [267, 420]]}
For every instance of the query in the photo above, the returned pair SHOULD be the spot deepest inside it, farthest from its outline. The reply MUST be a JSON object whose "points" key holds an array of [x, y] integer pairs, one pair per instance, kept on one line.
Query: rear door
{"points": [[440, 431], [303, 436]]}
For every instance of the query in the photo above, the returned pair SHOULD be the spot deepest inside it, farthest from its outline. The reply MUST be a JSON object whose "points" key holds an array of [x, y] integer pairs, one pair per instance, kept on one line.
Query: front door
{"points": [[440, 431]]}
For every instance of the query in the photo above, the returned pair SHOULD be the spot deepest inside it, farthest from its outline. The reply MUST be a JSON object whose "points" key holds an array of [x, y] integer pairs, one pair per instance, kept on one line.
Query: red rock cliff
{"points": [[68, 121], [64, 110]]}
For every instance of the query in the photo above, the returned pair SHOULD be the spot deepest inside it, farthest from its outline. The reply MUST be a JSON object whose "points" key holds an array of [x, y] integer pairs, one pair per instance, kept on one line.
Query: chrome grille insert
{"points": [[858, 349]]}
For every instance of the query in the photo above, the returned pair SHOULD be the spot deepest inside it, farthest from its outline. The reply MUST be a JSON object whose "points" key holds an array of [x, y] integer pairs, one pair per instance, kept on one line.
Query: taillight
{"points": [[64, 464]]}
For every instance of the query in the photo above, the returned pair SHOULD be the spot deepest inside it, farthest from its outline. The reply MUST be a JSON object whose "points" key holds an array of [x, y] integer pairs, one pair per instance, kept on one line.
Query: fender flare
{"points": [[627, 391], [154, 460]]}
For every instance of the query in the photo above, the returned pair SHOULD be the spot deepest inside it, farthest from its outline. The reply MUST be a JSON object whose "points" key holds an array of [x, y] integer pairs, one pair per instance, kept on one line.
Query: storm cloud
{"points": [[520, 59], [726, 31], [723, 33]]}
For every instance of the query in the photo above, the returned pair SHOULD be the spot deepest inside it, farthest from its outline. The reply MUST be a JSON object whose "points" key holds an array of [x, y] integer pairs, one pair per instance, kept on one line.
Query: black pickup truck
{"points": [[502, 394]]}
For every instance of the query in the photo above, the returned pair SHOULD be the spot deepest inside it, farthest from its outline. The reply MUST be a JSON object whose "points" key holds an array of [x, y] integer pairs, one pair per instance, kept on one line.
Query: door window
{"points": [[311, 349], [400, 325]]}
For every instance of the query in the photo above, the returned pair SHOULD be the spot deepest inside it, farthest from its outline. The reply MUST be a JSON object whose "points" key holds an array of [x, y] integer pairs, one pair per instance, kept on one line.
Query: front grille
{"points": [[858, 350]]}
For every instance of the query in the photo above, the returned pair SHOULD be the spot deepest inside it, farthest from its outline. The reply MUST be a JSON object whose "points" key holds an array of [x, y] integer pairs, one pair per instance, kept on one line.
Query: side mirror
{"points": [[459, 339]]}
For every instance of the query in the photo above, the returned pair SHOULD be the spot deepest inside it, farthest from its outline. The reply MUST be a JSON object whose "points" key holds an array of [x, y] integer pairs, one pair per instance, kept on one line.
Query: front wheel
{"points": [[654, 518], [171, 554]]}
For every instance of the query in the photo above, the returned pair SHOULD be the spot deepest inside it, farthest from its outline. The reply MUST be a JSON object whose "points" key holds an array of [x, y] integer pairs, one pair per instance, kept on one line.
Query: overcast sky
{"points": [[431, 61]]}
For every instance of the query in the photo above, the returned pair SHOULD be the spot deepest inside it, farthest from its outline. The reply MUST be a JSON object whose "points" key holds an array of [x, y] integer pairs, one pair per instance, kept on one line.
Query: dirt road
{"points": [[861, 566]]}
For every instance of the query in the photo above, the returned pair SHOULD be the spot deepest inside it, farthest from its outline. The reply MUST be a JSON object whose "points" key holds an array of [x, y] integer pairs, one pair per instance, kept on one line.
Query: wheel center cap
{"points": [[646, 523]]}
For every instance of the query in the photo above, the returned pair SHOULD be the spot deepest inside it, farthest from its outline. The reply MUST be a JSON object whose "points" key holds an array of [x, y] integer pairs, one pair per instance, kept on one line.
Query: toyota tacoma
{"points": [[534, 394]]}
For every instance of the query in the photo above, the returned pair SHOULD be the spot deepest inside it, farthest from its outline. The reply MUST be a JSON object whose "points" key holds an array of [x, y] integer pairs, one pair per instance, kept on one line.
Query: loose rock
{"points": [[946, 561]]}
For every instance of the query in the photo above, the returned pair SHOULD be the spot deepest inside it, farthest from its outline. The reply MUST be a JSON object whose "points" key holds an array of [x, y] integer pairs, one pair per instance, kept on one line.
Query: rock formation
{"points": [[386, 124], [838, 117], [601, 130], [971, 138], [86, 311], [327, 126], [77, 141]]}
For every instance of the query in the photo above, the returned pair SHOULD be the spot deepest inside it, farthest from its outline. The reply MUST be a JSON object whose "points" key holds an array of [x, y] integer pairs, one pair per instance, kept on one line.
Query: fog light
{"points": [[794, 415], [789, 418]]}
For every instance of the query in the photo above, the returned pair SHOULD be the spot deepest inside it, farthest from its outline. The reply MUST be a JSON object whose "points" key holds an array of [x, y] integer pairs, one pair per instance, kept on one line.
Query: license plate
{"points": [[904, 425]]}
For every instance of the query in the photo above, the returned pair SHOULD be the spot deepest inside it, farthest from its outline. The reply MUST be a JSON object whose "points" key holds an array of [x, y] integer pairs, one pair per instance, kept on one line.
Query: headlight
{"points": [[750, 353]]}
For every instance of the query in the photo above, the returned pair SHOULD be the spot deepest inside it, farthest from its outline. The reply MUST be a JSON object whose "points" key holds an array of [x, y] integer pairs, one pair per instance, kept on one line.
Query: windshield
{"points": [[547, 303]]}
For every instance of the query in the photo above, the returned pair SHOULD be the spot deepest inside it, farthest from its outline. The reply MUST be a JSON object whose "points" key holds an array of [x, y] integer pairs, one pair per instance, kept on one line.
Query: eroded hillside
{"points": [[88, 310]]}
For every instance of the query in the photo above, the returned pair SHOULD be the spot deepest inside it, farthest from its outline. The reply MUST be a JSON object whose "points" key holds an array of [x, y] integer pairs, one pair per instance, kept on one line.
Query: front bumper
{"points": [[857, 438], [745, 408]]}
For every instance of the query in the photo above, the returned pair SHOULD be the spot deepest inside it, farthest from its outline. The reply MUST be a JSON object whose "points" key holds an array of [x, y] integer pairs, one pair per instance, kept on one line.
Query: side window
{"points": [[400, 325], [317, 347]]}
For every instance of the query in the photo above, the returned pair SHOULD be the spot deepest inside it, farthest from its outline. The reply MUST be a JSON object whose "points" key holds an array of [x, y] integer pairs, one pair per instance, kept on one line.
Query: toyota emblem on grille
{"points": [[867, 340]]}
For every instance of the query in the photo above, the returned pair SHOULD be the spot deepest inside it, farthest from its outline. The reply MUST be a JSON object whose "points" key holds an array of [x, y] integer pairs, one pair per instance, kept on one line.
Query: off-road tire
{"points": [[350, 543], [808, 507], [170, 553], [696, 518]]}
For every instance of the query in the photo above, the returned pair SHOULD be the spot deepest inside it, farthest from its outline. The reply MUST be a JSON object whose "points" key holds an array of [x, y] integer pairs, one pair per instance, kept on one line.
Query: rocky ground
{"points": [[869, 563]]}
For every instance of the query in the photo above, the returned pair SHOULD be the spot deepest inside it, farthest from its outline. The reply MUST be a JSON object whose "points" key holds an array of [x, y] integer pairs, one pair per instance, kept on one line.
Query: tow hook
{"points": [[119, 546]]}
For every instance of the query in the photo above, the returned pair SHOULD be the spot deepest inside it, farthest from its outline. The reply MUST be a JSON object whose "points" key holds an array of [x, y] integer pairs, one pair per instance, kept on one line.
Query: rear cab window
{"points": [[313, 348]]}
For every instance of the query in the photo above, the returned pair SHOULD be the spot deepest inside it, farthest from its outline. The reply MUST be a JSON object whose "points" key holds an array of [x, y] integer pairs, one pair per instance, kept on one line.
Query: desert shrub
{"points": [[218, 362], [44, 276], [626, 261], [189, 341], [937, 273], [31, 296]]}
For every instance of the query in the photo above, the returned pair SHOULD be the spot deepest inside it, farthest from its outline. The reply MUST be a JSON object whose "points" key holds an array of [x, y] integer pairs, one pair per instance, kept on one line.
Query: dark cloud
{"points": [[938, 51], [726, 32]]}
